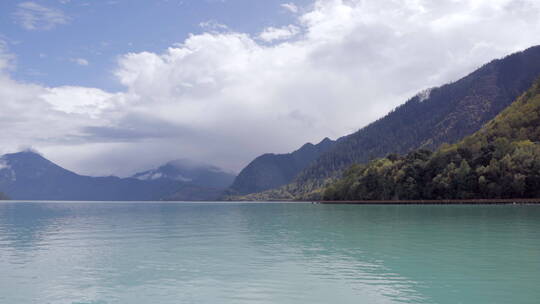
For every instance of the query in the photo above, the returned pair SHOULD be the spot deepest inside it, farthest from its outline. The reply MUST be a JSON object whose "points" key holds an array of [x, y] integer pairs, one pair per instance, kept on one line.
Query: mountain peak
{"points": [[305, 146], [189, 171], [326, 140], [26, 156], [26, 152]]}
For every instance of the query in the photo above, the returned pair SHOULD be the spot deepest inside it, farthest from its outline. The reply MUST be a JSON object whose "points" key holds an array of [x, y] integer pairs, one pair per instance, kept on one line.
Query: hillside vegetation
{"points": [[502, 160]]}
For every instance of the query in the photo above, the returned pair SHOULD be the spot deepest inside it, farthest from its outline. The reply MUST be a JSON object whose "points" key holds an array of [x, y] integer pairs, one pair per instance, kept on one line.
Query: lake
{"points": [[157, 252]]}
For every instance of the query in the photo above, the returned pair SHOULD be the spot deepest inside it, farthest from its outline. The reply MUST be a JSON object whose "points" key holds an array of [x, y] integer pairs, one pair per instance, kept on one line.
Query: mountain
{"points": [[274, 170], [200, 182], [29, 176], [440, 115], [501, 160], [187, 171]]}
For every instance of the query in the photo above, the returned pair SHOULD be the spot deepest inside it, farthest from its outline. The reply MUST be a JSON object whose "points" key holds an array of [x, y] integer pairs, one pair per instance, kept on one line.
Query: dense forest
{"points": [[502, 160]]}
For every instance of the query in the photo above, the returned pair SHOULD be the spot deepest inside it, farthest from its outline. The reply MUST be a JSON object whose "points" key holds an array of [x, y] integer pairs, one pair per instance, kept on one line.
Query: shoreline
{"points": [[509, 201]]}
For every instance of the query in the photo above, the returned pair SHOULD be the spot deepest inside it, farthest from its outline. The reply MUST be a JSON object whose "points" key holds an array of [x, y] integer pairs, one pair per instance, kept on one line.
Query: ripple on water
{"points": [[268, 253]]}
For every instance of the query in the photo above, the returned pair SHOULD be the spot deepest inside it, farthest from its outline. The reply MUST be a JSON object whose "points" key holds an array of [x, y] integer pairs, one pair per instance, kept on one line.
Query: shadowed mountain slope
{"points": [[274, 170], [30, 176]]}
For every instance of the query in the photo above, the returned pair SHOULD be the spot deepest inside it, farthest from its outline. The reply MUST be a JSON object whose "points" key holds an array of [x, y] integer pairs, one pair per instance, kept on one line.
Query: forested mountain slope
{"points": [[447, 115], [502, 160]]}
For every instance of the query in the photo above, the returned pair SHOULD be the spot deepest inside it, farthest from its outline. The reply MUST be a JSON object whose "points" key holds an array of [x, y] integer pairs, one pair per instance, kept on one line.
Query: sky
{"points": [[113, 87]]}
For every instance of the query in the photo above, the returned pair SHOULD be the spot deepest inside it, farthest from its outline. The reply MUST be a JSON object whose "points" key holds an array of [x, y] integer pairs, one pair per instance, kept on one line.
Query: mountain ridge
{"points": [[28, 175], [183, 170], [271, 170], [450, 112]]}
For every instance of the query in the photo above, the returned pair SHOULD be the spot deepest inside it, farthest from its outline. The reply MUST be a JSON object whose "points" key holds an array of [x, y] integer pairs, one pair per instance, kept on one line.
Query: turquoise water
{"points": [[267, 253]]}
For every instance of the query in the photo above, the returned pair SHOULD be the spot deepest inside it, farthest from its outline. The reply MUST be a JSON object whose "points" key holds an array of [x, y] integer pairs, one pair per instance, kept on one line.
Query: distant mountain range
{"points": [[29, 176], [444, 114]]}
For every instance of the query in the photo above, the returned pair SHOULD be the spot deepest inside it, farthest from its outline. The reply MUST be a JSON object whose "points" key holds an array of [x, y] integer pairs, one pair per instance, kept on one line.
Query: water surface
{"points": [[267, 253]]}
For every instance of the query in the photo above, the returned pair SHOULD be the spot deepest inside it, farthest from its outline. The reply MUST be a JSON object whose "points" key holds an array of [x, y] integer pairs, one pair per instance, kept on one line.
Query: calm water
{"points": [[267, 253]]}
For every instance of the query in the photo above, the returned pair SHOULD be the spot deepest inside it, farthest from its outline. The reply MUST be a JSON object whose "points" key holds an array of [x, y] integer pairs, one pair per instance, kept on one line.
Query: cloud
{"points": [[212, 25], [272, 34], [225, 97], [80, 61], [291, 7], [32, 16], [79, 100], [6, 59]]}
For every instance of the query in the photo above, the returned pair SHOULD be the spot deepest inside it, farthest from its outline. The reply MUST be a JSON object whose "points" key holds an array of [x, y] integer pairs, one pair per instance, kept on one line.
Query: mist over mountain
{"points": [[196, 173], [28, 175], [199, 181]]}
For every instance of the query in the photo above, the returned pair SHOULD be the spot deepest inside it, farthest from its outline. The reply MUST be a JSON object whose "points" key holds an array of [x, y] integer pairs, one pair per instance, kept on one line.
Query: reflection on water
{"points": [[267, 253]]}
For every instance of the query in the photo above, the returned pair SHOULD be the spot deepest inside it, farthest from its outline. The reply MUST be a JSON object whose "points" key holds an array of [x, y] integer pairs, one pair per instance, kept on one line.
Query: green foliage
{"points": [[502, 160]]}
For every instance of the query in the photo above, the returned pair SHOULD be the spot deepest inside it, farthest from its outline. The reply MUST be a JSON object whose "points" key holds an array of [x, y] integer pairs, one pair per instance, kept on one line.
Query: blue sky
{"points": [[99, 31], [117, 86]]}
